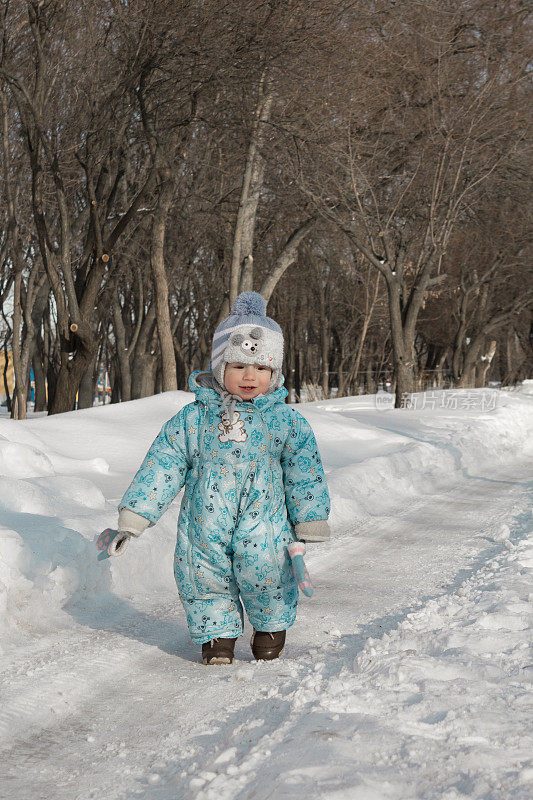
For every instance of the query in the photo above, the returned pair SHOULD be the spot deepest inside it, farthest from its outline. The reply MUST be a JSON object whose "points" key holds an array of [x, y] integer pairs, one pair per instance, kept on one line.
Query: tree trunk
{"points": [[20, 352], [9, 401], [142, 359], [19, 394], [402, 348], [241, 278], [341, 383], [122, 352], [405, 382], [143, 376], [87, 388], [508, 357], [290, 359], [168, 357], [114, 377], [439, 379], [158, 388], [354, 372], [40, 380], [371, 385], [51, 383], [71, 373], [467, 379], [484, 366], [286, 258], [512, 366], [298, 376], [324, 336]]}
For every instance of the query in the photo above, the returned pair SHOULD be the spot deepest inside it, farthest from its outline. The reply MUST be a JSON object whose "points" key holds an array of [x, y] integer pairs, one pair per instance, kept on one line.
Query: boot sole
{"points": [[259, 658], [217, 660]]}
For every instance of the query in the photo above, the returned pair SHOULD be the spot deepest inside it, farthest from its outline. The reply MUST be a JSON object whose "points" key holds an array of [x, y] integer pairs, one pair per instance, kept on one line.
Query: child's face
{"points": [[247, 380]]}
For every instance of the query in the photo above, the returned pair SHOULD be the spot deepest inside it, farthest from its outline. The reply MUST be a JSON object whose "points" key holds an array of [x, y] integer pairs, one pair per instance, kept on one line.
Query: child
{"points": [[253, 484]]}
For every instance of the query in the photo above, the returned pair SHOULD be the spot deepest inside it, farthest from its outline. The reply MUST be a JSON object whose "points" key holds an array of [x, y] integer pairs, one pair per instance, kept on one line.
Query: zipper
{"points": [[192, 574], [270, 526], [201, 468], [267, 432], [203, 429]]}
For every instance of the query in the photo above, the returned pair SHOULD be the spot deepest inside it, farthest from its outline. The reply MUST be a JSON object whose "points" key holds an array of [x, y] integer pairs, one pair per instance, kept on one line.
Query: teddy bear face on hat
{"points": [[250, 346]]}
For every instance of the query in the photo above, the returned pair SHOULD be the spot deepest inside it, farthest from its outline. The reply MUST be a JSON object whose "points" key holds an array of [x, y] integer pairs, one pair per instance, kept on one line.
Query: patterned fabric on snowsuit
{"points": [[247, 480]]}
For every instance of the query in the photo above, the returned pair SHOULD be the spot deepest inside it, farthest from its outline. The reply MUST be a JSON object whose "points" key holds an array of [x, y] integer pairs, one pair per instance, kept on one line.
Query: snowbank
{"points": [[61, 478]]}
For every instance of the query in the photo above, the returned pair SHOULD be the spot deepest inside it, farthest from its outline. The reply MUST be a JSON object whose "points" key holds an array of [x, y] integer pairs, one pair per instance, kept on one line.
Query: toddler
{"points": [[254, 483]]}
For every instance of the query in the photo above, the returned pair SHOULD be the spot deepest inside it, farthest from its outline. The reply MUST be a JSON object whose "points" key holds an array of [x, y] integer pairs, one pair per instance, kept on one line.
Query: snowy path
{"points": [[119, 707]]}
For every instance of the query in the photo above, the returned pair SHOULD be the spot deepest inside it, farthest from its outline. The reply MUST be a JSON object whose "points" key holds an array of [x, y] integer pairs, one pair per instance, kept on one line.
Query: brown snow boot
{"points": [[218, 651], [266, 646]]}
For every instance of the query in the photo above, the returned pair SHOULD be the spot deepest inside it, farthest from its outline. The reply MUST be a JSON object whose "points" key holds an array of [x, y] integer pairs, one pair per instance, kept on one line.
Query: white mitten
{"points": [[119, 544], [112, 543]]}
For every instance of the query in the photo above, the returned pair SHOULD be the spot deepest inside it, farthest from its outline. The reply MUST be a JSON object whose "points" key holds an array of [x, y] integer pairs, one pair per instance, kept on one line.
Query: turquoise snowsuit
{"points": [[246, 485]]}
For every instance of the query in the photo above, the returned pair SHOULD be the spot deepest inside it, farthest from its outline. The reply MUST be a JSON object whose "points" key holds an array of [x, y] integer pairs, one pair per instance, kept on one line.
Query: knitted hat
{"points": [[248, 336]]}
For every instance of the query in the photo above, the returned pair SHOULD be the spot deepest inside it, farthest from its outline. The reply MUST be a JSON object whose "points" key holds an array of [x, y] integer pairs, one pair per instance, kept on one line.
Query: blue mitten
{"points": [[111, 543], [297, 552]]}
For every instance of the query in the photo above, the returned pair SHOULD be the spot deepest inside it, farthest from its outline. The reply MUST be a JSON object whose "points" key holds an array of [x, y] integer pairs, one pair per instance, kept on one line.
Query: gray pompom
{"points": [[249, 303]]}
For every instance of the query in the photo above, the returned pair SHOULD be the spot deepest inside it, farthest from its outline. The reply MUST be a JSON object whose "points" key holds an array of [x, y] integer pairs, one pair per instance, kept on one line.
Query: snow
{"points": [[440, 682], [409, 674]]}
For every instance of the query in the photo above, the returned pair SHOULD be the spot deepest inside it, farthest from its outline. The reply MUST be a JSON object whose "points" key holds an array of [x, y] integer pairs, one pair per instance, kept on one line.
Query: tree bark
{"points": [[143, 357], [241, 277], [168, 357], [371, 385], [71, 373], [440, 366], [298, 375], [87, 386], [483, 366], [402, 347], [351, 379], [287, 257], [324, 334], [18, 410], [40, 380], [122, 353], [19, 393]]}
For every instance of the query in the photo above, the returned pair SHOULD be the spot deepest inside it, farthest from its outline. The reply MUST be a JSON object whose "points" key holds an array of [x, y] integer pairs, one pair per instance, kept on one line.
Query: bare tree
{"points": [[363, 166], [436, 108]]}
